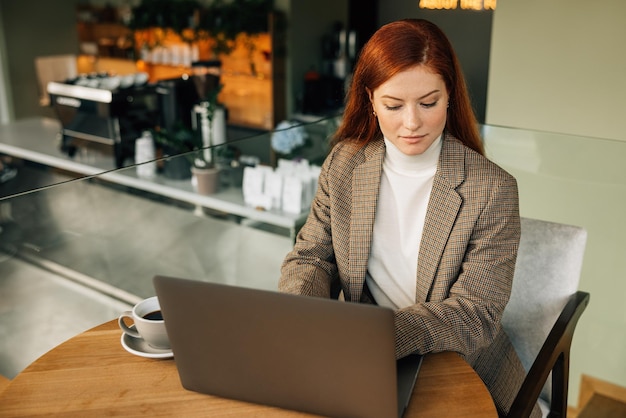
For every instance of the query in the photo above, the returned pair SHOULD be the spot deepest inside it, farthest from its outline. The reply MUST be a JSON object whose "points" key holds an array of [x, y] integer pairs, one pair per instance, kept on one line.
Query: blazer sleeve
{"points": [[310, 268], [466, 300]]}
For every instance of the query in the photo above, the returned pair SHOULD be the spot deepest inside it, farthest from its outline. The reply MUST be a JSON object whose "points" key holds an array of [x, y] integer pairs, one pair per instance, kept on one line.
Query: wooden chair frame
{"points": [[554, 358]]}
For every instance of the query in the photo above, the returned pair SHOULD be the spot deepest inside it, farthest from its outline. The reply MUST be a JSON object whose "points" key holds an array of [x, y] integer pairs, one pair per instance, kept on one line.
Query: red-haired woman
{"points": [[410, 215]]}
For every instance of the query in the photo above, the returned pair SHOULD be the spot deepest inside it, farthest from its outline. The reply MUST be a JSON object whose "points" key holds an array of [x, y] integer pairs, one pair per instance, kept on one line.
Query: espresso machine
{"points": [[104, 112], [109, 113]]}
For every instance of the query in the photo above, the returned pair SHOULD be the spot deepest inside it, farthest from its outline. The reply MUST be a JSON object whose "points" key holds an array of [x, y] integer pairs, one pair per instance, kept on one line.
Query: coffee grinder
{"points": [[209, 116]]}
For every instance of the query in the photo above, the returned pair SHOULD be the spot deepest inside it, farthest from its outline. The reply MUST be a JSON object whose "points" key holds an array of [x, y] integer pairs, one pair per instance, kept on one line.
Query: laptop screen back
{"points": [[308, 354]]}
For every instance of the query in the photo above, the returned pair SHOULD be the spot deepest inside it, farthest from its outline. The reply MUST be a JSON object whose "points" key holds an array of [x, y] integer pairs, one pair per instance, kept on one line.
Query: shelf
{"points": [[252, 73]]}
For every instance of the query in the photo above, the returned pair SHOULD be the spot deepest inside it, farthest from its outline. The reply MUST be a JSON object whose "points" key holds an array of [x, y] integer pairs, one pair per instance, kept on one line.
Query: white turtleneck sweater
{"points": [[405, 188]]}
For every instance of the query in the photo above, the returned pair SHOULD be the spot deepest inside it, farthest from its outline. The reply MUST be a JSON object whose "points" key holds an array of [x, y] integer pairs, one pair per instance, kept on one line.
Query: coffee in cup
{"points": [[149, 323]]}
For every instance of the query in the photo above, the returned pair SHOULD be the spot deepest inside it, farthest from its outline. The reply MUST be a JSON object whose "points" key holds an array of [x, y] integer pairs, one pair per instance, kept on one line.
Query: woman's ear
{"points": [[370, 95]]}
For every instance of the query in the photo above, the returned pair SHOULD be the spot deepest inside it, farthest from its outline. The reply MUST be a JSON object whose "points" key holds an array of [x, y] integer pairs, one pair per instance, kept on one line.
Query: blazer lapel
{"points": [[365, 187], [441, 214]]}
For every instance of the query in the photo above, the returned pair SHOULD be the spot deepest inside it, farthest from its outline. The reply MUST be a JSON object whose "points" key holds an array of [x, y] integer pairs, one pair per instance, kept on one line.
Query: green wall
{"points": [[559, 66]]}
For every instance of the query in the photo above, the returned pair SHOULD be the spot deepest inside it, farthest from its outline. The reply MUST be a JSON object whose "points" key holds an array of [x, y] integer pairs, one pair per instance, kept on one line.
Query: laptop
{"points": [[302, 353]]}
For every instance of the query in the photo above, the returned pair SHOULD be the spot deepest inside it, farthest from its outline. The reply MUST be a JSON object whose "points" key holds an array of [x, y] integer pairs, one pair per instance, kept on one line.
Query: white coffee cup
{"points": [[149, 323]]}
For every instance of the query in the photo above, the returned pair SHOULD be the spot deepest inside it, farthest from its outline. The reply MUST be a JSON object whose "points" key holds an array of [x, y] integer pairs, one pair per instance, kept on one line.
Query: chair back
{"points": [[547, 274], [53, 68]]}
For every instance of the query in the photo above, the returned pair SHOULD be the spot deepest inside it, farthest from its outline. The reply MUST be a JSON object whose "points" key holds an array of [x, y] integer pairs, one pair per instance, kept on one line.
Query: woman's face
{"points": [[411, 108]]}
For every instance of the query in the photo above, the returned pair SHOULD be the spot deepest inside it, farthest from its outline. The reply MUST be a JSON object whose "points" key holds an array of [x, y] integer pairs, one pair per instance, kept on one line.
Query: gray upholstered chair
{"points": [[543, 311]]}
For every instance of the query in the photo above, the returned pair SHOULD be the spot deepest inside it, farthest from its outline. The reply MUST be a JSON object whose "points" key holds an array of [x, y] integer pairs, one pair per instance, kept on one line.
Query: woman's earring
{"points": [[374, 113]]}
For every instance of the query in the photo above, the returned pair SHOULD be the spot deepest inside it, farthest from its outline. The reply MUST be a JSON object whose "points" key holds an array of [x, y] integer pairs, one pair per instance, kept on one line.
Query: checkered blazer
{"points": [[466, 260]]}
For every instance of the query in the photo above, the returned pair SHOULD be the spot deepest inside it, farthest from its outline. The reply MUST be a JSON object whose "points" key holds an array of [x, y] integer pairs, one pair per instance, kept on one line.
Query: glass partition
{"points": [[120, 228], [116, 229], [34, 146]]}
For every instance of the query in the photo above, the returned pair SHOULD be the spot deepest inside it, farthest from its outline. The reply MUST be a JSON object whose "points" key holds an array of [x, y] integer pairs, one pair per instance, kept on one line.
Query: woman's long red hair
{"points": [[396, 47]]}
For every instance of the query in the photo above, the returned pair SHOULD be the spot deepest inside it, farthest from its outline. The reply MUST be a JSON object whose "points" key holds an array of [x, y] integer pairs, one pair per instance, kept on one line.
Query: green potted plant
{"points": [[188, 157], [221, 21], [180, 144]]}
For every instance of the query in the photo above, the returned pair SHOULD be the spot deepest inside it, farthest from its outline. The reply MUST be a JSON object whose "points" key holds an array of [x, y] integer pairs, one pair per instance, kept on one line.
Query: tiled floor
{"points": [[88, 251], [39, 310]]}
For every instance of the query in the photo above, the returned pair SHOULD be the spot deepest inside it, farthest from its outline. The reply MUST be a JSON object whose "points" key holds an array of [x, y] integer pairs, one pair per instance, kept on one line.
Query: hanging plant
{"points": [[252, 15], [220, 22], [223, 21], [176, 15]]}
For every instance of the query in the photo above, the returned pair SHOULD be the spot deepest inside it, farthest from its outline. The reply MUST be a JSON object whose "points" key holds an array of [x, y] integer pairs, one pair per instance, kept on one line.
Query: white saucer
{"points": [[139, 347]]}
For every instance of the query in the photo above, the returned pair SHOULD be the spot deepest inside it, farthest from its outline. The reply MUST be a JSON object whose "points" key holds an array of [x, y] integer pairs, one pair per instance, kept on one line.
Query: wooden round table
{"points": [[92, 375]]}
